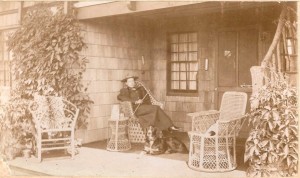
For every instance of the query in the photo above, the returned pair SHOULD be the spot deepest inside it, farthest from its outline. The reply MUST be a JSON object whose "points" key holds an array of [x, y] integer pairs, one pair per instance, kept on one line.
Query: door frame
{"points": [[218, 89]]}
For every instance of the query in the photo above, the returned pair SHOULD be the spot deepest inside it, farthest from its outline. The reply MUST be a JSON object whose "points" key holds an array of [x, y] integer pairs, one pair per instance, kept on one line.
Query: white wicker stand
{"points": [[135, 132], [119, 139]]}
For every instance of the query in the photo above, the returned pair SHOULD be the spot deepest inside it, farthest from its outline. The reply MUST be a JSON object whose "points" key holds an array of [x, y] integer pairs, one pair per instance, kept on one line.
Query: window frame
{"points": [[181, 92]]}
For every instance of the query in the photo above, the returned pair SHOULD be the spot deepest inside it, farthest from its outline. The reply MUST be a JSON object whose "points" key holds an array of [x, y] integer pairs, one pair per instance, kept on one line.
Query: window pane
{"points": [[182, 75], [192, 37], [192, 56], [174, 38], [175, 76], [174, 47], [182, 56], [193, 85], [193, 76], [175, 66], [192, 46], [183, 85], [193, 66], [183, 38], [175, 85], [182, 67], [174, 56], [183, 47]]}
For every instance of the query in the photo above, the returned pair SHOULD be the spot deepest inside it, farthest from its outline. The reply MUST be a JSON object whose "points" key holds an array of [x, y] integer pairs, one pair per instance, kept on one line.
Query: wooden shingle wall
{"points": [[178, 106], [207, 27], [114, 49]]}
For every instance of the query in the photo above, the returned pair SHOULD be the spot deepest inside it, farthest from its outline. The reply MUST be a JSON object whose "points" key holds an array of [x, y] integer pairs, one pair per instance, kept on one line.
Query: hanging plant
{"points": [[46, 58]]}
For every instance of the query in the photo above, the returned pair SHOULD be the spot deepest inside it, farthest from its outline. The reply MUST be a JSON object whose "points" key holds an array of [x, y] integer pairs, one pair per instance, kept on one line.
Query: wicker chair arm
{"points": [[191, 133], [68, 103], [230, 127], [71, 113], [201, 121], [231, 120], [126, 108], [152, 99]]}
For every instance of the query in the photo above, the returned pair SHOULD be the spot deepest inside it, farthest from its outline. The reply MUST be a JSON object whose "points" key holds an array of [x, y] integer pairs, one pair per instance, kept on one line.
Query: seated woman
{"points": [[148, 114]]}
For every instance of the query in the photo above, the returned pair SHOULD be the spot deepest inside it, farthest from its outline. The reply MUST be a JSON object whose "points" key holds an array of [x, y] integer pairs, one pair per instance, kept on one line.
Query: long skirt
{"points": [[153, 115]]}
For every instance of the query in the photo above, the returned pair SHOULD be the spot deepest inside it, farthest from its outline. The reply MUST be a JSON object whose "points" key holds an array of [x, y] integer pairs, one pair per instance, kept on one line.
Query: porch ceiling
{"points": [[166, 9], [201, 8], [114, 8]]}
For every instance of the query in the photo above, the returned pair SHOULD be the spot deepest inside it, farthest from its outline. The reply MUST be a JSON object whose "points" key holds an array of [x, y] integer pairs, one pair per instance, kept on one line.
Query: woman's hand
{"points": [[138, 101]]}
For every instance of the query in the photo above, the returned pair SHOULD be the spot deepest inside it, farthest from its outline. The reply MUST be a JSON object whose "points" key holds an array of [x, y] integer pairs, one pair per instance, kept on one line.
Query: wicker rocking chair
{"points": [[55, 120], [213, 135], [135, 131]]}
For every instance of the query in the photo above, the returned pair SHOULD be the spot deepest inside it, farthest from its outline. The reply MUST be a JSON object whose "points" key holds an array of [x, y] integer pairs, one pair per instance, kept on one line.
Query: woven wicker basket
{"points": [[135, 133]]}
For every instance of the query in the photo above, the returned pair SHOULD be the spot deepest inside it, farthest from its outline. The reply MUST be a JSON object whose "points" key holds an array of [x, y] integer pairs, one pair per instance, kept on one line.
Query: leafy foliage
{"points": [[272, 147], [17, 129], [46, 57]]}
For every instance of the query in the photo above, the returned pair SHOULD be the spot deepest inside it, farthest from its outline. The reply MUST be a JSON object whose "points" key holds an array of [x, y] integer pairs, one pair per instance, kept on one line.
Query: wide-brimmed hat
{"points": [[129, 76]]}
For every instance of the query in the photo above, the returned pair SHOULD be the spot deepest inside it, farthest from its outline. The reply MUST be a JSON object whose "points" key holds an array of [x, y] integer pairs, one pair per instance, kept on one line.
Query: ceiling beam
{"points": [[122, 7]]}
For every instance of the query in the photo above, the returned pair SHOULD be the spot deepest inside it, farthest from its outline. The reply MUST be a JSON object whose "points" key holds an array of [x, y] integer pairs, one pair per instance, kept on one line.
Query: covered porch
{"points": [[94, 160], [188, 54]]}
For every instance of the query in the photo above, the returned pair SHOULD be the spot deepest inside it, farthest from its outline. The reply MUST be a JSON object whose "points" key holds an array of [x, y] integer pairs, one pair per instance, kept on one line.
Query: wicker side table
{"points": [[119, 139]]}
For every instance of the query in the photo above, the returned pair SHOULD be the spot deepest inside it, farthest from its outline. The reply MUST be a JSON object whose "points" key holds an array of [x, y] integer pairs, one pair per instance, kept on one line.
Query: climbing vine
{"points": [[46, 57]]}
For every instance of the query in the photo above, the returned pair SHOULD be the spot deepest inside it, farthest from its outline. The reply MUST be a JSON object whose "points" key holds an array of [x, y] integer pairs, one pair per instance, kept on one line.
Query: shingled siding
{"points": [[178, 106], [207, 27], [114, 49]]}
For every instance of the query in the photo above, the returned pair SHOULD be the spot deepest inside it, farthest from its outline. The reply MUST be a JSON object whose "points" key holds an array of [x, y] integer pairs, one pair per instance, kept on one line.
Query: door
{"points": [[237, 52]]}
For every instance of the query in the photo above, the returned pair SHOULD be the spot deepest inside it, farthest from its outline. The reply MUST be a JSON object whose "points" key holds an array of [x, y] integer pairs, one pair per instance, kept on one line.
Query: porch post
{"points": [[276, 38]]}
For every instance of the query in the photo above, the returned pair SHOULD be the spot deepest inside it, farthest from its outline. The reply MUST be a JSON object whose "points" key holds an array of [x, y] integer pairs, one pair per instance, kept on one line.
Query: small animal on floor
{"points": [[156, 143]]}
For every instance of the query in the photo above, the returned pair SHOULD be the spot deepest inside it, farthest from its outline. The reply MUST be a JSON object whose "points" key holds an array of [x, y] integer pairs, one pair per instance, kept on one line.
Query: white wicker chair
{"points": [[212, 139], [135, 131], [55, 120]]}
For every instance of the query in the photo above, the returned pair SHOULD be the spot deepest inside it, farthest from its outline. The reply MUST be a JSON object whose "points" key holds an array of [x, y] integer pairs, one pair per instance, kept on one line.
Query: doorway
{"points": [[237, 52]]}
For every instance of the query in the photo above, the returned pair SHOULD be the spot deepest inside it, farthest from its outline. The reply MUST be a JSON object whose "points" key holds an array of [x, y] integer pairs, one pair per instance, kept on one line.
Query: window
{"points": [[182, 63], [5, 56]]}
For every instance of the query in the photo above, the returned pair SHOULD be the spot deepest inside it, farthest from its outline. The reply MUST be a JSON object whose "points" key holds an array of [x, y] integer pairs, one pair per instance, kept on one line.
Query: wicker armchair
{"points": [[135, 131], [213, 135], [55, 120]]}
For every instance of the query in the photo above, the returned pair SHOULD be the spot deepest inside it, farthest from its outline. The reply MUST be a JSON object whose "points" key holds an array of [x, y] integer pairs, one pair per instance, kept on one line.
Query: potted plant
{"points": [[272, 146]]}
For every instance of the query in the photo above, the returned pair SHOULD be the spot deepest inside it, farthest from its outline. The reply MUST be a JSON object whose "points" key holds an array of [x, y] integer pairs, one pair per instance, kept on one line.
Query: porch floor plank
{"points": [[94, 160]]}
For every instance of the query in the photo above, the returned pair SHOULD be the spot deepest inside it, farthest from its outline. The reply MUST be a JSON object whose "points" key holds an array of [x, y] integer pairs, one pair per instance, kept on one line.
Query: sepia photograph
{"points": [[172, 89]]}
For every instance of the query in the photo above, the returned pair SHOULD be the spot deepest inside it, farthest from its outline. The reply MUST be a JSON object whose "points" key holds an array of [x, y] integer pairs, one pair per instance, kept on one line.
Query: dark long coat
{"points": [[147, 113]]}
